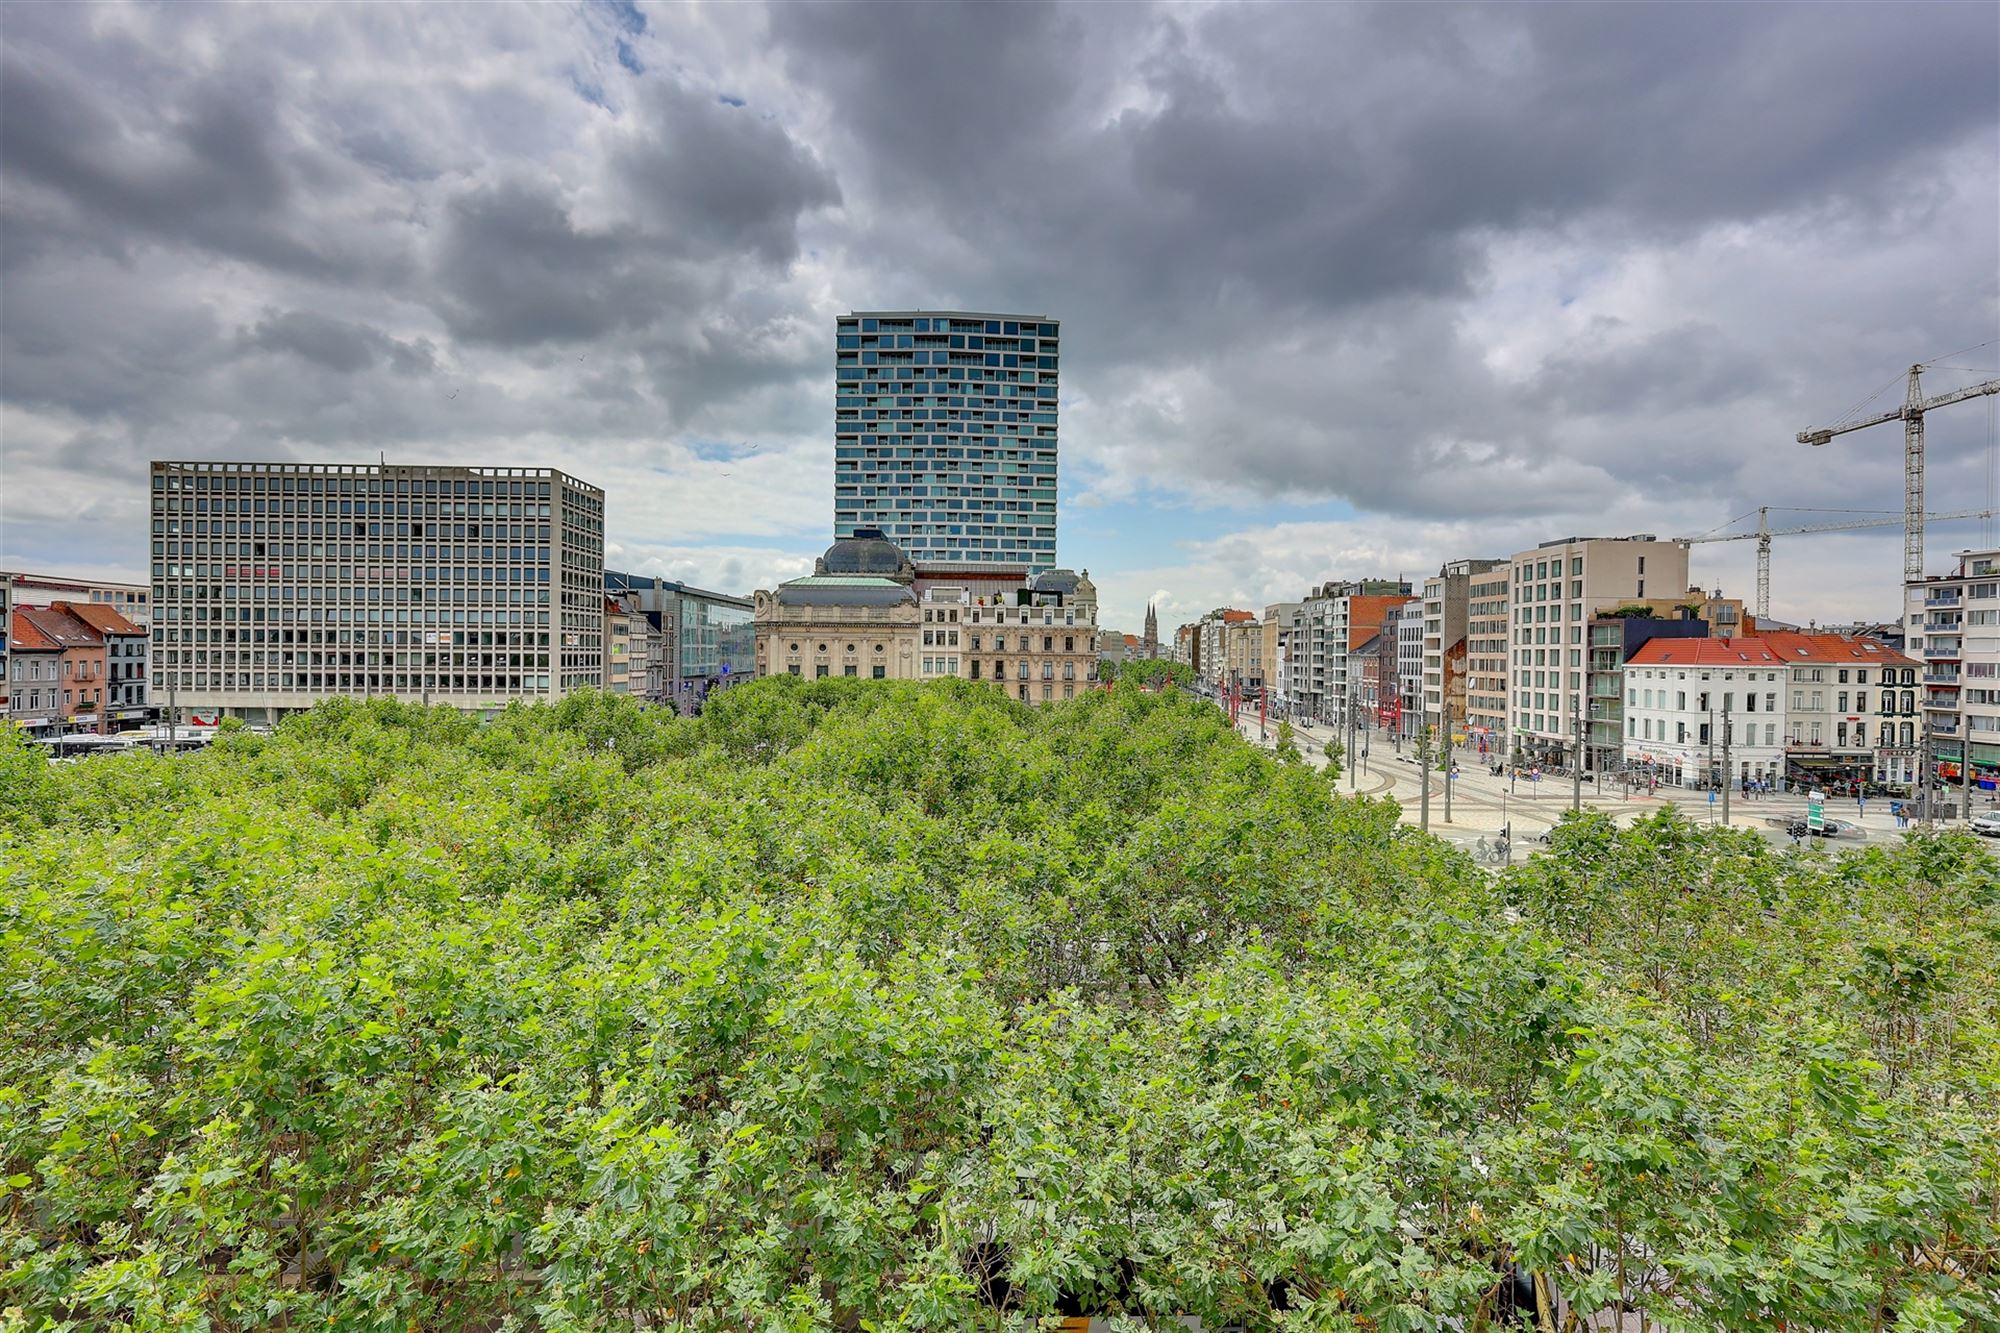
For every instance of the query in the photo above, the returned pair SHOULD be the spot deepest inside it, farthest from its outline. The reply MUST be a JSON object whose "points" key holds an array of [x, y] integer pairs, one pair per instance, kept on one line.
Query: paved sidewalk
{"points": [[1482, 804]]}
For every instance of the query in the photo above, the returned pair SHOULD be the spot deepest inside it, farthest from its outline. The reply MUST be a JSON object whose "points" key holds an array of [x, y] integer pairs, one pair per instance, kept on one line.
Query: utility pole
{"points": [[173, 714], [1726, 780], [1353, 775], [1444, 716], [1924, 772], [1964, 760], [1576, 769], [1424, 779]]}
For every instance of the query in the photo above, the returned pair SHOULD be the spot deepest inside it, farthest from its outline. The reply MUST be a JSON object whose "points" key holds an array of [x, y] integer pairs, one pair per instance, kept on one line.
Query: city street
{"points": [[1482, 805]]}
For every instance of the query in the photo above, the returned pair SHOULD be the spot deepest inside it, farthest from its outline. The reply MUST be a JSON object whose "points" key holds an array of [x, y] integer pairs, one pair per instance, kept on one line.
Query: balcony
{"points": [[1941, 599], [1933, 703], [1940, 678]]}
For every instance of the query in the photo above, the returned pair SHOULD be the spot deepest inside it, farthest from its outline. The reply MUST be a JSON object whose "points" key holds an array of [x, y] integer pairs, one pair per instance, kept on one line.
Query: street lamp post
{"points": [[1576, 768], [1424, 778], [1726, 780], [1444, 715], [1348, 708]]}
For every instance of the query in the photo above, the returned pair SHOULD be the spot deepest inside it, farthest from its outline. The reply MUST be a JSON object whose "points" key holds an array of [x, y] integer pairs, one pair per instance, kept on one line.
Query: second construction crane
{"points": [[1911, 414], [1765, 532]]}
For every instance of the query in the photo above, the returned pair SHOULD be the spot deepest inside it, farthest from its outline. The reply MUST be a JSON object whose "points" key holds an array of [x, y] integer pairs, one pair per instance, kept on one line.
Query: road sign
{"points": [[1816, 810]]}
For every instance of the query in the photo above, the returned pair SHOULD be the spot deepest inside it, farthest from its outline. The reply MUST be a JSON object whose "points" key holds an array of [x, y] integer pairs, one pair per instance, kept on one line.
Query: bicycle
{"points": [[1491, 853]]}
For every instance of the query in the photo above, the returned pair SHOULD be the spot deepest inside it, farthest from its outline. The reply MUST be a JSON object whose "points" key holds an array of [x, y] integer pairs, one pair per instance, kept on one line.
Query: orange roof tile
{"points": [[27, 637], [60, 628], [1774, 647], [100, 617], [1796, 646], [1737, 652]]}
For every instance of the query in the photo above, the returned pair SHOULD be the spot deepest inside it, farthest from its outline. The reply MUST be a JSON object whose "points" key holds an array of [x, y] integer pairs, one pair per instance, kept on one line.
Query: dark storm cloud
{"points": [[714, 180], [514, 268], [337, 344], [210, 169], [1537, 264]]}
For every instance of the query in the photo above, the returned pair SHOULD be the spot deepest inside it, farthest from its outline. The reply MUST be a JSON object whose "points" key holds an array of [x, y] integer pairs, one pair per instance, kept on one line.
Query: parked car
{"points": [[1987, 825], [1795, 826]]}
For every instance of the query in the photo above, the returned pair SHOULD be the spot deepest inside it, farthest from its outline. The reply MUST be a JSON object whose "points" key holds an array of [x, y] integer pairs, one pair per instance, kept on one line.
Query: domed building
{"points": [[855, 615], [866, 554], [866, 612]]}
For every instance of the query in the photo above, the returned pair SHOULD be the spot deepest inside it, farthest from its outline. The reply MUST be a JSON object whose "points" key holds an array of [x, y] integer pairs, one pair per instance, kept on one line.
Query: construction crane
{"points": [[1911, 414], [1765, 532]]}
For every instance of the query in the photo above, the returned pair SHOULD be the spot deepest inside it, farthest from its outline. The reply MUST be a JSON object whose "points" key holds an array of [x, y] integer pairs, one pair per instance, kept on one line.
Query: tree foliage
{"points": [[1154, 672], [877, 1006]]}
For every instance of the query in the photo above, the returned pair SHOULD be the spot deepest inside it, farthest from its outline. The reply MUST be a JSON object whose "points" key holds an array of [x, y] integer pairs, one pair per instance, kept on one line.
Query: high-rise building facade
{"points": [[276, 585], [1486, 658], [1446, 617], [1557, 588], [945, 435], [1952, 627]]}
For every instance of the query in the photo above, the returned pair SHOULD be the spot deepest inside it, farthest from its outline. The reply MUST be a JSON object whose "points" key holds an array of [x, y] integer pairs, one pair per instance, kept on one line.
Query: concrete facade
{"points": [[1446, 601], [1951, 625], [277, 585], [1555, 589]]}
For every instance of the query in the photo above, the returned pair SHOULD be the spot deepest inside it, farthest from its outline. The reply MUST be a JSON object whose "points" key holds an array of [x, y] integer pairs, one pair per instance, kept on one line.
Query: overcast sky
{"points": [[1346, 291]]}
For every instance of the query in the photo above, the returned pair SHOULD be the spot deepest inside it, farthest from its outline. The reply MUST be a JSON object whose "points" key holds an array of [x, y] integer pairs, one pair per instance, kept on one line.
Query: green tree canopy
{"points": [[852, 1005]]}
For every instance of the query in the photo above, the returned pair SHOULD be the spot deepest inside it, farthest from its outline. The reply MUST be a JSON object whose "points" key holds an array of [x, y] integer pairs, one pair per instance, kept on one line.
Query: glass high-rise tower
{"points": [[945, 434]]}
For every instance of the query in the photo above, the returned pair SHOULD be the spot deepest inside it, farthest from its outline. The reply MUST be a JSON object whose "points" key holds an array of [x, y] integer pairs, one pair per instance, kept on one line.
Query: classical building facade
{"points": [[1038, 643], [867, 612], [855, 615], [1703, 711]]}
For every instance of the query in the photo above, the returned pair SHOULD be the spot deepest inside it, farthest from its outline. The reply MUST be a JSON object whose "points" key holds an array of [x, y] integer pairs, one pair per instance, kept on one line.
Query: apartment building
{"points": [[1446, 606], [1243, 654], [277, 585], [1846, 700], [1037, 641], [1486, 657], [1334, 620], [132, 601], [1215, 659], [619, 667], [78, 667], [1275, 623], [1554, 591], [1952, 627], [1615, 637], [1408, 620], [945, 434], [1700, 711]]}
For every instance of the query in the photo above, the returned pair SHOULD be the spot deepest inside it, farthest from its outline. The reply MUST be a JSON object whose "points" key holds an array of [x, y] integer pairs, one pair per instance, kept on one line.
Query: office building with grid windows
{"points": [[945, 435], [277, 585]]}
